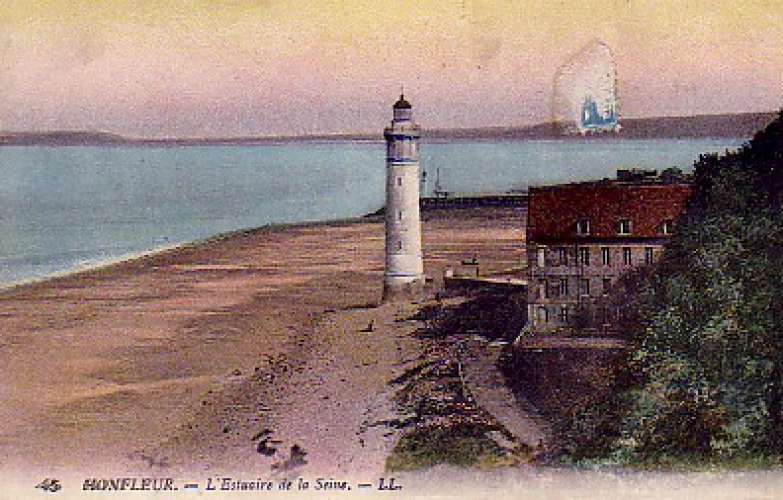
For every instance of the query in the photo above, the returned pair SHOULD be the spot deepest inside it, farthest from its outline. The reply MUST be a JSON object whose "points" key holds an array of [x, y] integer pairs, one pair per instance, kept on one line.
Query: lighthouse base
{"points": [[397, 289]]}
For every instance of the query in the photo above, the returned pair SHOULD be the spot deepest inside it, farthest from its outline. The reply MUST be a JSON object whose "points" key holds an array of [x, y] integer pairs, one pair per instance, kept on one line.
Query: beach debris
{"points": [[297, 459], [262, 434], [264, 449], [297, 455], [264, 439]]}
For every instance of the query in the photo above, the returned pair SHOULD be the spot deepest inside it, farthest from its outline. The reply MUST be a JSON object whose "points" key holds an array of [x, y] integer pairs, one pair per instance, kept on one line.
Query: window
{"points": [[541, 255], [543, 289], [648, 255], [564, 314], [606, 256], [543, 315], [399, 181], [627, 256], [584, 286], [624, 227], [562, 256], [583, 227], [584, 256], [607, 284], [399, 245], [667, 226], [563, 288], [399, 214]]}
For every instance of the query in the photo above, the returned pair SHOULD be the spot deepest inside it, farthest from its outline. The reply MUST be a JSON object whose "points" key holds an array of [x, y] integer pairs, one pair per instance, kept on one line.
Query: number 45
{"points": [[50, 485]]}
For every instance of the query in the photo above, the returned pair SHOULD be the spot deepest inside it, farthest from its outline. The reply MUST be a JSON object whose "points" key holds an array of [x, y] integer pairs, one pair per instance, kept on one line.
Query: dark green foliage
{"points": [[705, 376], [463, 445]]}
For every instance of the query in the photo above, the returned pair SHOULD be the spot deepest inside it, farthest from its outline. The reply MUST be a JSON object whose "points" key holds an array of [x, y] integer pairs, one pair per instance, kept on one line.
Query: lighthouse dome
{"points": [[402, 110], [402, 103]]}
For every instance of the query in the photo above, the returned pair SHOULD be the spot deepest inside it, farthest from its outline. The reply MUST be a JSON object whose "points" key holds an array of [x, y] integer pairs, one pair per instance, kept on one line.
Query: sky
{"points": [[208, 68]]}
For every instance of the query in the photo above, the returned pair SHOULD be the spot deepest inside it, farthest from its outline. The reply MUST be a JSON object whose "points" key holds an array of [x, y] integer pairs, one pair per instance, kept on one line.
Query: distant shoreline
{"points": [[737, 126]]}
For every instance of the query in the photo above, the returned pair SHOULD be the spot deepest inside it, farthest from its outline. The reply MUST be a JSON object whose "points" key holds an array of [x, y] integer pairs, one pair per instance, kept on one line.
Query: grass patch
{"points": [[464, 445]]}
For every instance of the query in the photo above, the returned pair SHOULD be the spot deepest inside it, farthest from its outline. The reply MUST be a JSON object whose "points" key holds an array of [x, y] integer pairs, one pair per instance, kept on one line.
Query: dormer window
{"points": [[667, 226], [583, 227], [624, 227]]}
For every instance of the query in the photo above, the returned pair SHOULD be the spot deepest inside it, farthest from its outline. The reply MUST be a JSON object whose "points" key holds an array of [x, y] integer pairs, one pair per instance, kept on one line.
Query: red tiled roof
{"points": [[553, 211]]}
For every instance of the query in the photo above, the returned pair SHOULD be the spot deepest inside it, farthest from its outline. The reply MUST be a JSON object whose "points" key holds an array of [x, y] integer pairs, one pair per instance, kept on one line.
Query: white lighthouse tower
{"points": [[404, 265]]}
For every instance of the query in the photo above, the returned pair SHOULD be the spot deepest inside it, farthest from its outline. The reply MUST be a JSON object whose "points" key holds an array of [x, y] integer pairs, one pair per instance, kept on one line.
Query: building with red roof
{"points": [[581, 237]]}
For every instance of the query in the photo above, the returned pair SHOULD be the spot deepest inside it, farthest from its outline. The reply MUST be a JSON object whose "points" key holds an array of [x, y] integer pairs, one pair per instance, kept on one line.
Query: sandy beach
{"points": [[248, 357], [185, 360]]}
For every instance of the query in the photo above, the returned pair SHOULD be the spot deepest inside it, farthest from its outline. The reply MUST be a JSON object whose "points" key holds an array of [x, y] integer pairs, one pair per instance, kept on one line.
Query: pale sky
{"points": [[177, 68]]}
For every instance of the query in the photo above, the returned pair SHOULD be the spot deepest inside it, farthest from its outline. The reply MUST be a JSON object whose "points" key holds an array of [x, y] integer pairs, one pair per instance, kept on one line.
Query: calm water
{"points": [[65, 208]]}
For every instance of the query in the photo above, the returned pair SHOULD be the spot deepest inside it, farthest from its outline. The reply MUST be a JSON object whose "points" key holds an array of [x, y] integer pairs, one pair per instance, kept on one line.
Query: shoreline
{"points": [[171, 250]]}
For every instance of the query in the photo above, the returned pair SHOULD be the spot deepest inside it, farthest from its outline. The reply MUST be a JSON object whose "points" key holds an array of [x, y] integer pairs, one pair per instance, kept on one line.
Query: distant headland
{"points": [[737, 125]]}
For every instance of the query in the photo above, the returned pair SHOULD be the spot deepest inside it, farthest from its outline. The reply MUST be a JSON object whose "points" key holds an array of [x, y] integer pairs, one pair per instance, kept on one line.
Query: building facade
{"points": [[582, 237], [404, 273]]}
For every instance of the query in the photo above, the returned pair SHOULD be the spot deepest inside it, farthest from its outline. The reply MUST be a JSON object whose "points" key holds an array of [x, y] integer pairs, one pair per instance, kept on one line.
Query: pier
{"points": [[448, 200]]}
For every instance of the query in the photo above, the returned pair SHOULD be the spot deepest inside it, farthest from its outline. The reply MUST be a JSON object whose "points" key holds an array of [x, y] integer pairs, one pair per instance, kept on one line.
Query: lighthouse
{"points": [[404, 276]]}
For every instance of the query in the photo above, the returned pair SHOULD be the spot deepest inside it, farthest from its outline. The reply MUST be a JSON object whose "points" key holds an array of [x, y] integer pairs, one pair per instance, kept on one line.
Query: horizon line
{"points": [[339, 135]]}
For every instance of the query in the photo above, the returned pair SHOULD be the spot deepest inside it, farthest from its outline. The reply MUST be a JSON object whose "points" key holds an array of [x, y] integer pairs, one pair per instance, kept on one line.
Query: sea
{"points": [[68, 208]]}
